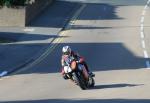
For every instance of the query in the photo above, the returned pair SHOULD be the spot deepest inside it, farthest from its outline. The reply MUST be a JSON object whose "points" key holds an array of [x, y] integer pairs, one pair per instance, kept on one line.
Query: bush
{"points": [[2, 2], [10, 3]]}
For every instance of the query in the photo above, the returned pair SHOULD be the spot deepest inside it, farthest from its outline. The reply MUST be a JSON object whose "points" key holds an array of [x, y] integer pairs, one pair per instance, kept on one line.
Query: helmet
{"points": [[66, 50]]}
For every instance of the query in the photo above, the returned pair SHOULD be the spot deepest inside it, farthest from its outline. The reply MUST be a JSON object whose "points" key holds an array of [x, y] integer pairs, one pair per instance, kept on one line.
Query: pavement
{"points": [[29, 43]]}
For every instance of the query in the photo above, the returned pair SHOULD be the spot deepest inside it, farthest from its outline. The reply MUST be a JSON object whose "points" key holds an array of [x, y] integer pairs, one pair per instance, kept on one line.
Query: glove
{"points": [[78, 61]]}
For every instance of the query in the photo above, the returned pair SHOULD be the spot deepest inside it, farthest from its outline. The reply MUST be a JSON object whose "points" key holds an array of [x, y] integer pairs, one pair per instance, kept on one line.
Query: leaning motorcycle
{"points": [[78, 74]]}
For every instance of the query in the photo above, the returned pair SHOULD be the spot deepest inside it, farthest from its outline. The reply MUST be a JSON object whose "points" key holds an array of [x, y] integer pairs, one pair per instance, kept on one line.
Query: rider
{"points": [[66, 50]]}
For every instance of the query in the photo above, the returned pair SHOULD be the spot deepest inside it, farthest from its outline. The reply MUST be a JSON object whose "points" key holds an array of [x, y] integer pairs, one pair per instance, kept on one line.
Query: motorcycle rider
{"points": [[66, 51]]}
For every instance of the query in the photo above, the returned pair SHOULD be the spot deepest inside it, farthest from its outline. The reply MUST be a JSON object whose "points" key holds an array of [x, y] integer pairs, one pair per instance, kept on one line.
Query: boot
{"points": [[65, 76], [91, 74]]}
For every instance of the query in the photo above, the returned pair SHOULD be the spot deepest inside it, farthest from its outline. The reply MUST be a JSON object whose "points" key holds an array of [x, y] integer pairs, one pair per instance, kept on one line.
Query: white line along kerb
{"points": [[143, 12], [148, 64], [145, 7], [142, 27], [145, 54], [143, 36], [142, 19], [148, 2], [143, 44]]}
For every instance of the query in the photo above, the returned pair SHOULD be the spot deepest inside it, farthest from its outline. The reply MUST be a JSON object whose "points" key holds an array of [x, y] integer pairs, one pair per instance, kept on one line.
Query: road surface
{"points": [[113, 36]]}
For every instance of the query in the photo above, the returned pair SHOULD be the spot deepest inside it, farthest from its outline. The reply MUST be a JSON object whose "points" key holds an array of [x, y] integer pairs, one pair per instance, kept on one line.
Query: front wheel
{"points": [[80, 81]]}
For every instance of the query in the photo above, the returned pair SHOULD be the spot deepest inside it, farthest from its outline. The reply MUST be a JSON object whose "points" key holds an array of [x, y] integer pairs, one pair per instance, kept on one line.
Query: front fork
{"points": [[84, 71]]}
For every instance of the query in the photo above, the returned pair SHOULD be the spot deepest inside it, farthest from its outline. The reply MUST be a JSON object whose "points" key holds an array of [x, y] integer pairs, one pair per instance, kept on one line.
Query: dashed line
{"points": [[148, 64], [143, 44], [146, 56], [142, 19], [142, 27], [142, 35], [148, 2], [143, 13], [145, 7]]}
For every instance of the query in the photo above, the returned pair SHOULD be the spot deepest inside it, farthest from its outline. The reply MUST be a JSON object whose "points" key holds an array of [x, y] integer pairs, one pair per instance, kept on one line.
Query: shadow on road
{"points": [[78, 27], [19, 37], [114, 86], [101, 11], [81, 101], [56, 15], [101, 57], [15, 55], [52, 17]]}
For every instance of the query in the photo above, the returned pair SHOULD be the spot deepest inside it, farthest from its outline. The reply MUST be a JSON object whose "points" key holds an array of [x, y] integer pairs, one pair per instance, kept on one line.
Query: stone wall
{"points": [[22, 16], [12, 16]]}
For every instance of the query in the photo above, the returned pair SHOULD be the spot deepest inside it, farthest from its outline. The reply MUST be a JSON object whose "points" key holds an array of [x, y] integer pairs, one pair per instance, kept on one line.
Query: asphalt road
{"points": [[28, 43], [108, 33]]}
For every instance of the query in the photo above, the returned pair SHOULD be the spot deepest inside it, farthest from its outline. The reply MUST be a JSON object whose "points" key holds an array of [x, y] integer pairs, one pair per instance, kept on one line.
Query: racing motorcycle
{"points": [[79, 75]]}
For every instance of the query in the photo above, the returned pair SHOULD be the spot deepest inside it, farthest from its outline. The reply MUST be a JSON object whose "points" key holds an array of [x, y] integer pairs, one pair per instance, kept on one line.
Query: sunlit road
{"points": [[108, 34]]}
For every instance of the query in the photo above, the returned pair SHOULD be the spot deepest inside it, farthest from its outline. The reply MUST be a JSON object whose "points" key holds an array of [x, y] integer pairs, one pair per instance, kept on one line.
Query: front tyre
{"points": [[79, 80]]}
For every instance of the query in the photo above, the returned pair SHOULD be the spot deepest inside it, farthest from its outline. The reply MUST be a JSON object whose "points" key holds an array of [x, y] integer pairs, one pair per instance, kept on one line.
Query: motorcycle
{"points": [[79, 75]]}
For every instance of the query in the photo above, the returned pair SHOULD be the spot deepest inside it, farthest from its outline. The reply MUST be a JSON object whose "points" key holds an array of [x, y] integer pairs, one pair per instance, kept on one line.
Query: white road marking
{"points": [[4, 73], [148, 64], [145, 7], [148, 2], [29, 29], [143, 36], [142, 27], [145, 54], [143, 13], [143, 44], [142, 19]]}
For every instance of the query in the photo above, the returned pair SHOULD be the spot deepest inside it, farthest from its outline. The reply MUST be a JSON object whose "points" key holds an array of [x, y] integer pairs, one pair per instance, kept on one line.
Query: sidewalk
{"points": [[30, 42]]}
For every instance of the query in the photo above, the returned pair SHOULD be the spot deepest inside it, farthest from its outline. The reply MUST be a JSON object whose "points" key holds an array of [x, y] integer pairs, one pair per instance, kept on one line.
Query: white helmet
{"points": [[66, 50]]}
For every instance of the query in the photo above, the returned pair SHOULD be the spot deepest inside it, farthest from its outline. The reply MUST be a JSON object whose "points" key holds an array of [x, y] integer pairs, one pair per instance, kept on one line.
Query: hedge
{"points": [[10, 3]]}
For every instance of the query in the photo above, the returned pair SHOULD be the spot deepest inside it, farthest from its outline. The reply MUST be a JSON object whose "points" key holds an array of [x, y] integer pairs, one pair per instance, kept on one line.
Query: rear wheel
{"points": [[91, 82]]}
